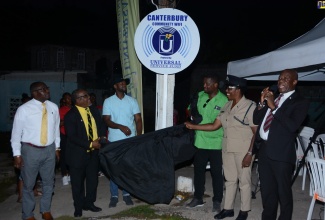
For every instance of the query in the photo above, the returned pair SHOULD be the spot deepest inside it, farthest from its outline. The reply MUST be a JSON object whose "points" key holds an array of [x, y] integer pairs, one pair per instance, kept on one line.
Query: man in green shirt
{"points": [[209, 144]]}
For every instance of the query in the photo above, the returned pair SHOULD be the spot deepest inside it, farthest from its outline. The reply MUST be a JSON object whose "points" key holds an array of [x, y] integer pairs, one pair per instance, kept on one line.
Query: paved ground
{"points": [[62, 203]]}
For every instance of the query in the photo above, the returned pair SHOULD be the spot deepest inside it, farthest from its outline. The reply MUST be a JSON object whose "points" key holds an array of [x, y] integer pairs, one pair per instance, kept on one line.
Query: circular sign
{"points": [[167, 41]]}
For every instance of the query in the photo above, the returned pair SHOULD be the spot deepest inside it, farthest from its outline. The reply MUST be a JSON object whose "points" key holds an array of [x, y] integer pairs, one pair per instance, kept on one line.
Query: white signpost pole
{"points": [[165, 85]]}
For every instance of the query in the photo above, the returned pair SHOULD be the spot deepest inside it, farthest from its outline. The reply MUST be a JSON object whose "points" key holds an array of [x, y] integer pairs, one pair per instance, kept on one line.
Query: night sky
{"points": [[229, 30]]}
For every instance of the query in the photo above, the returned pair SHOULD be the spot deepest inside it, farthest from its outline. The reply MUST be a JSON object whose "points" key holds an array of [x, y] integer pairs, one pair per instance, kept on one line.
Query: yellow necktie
{"points": [[90, 127], [44, 126]]}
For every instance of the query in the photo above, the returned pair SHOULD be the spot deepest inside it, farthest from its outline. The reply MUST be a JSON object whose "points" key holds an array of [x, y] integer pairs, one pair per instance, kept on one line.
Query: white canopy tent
{"points": [[306, 54]]}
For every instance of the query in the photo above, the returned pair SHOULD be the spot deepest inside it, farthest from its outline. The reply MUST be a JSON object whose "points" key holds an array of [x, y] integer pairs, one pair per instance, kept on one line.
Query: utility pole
{"points": [[165, 85]]}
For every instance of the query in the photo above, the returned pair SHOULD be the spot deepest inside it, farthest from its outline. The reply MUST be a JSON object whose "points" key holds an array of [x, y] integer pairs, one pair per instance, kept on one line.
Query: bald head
{"points": [[292, 72], [287, 81]]}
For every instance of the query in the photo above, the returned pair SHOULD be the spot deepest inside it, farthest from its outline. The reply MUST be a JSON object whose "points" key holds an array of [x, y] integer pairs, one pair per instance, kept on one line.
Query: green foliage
{"points": [[138, 212], [146, 212]]}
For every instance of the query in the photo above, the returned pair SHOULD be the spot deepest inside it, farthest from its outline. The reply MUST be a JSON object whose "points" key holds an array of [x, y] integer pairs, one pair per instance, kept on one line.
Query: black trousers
{"points": [[85, 195], [201, 158], [275, 177]]}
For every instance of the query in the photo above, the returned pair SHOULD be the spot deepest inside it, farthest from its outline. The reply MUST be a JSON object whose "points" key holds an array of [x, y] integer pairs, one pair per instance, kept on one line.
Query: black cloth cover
{"points": [[144, 165]]}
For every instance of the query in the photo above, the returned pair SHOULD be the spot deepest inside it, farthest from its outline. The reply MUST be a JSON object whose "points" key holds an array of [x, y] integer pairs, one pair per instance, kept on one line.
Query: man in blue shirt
{"points": [[120, 112]]}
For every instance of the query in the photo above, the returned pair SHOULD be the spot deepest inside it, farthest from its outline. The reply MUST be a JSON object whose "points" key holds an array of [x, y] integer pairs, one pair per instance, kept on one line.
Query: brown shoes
{"points": [[47, 216]]}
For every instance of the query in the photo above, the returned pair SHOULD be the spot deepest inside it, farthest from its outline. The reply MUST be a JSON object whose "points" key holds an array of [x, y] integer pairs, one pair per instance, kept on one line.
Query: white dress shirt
{"points": [[27, 125], [264, 134]]}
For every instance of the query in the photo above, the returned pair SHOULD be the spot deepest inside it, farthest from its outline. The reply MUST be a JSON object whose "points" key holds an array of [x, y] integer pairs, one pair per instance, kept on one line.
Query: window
{"points": [[14, 103], [42, 59], [81, 60], [60, 61]]}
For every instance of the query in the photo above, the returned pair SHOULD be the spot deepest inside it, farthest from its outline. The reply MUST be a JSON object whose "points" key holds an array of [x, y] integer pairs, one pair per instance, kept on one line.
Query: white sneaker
{"points": [[65, 180], [69, 179], [208, 166], [100, 174]]}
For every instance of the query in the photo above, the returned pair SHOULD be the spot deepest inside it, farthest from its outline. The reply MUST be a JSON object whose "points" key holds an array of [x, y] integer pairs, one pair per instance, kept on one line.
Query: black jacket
{"points": [[280, 145], [77, 138]]}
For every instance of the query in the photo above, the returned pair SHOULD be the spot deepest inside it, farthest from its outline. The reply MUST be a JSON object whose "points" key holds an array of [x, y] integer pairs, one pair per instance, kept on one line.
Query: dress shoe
{"points": [[242, 215], [216, 207], [92, 208], [31, 218], [224, 213], [195, 203], [47, 216], [77, 214]]}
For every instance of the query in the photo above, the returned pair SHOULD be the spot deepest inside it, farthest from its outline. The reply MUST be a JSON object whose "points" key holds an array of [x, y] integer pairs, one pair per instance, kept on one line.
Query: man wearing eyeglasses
{"points": [[85, 131], [35, 141], [208, 144], [236, 118]]}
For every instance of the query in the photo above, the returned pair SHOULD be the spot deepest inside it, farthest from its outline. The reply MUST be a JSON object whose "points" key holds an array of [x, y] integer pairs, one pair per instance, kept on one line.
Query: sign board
{"points": [[167, 41]]}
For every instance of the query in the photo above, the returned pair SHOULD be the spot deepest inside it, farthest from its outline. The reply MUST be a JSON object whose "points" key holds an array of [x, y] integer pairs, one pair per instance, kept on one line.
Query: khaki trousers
{"points": [[236, 175]]}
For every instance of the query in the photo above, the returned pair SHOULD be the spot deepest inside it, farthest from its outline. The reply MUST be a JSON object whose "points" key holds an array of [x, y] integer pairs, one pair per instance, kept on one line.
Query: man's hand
{"points": [[268, 95], [189, 125], [96, 144], [125, 130], [57, 154], [18, 162]]}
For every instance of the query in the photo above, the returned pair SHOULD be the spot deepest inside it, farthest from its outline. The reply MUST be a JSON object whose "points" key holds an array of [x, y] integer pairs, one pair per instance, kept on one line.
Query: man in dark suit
{"points": [[278, 120], [85, 131]]}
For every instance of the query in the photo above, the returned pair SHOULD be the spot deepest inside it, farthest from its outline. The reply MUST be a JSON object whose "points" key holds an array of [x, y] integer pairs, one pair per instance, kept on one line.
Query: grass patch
{"points": [[146, 212], [4, 186], [138, 212]]}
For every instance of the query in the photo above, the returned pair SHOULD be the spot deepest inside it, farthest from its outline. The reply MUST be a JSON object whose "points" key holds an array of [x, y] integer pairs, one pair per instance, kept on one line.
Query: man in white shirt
{"points": [[34, 151], [279, 120]]}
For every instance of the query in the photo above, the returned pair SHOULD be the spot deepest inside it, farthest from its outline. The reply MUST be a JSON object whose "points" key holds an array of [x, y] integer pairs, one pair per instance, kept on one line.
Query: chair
{"points": [[316, 168], [257, 182], [306, 131], [321, 136], [321, 144], [299, 155], [303, 139]]}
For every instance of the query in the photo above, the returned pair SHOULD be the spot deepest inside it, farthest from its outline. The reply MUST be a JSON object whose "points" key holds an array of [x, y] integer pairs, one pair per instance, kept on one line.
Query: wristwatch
{"points": [[261, 104]]}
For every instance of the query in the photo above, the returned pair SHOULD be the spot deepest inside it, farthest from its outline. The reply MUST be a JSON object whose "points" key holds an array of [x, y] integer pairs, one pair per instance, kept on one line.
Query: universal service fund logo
{"points": [[321, 4], [167, 41]]}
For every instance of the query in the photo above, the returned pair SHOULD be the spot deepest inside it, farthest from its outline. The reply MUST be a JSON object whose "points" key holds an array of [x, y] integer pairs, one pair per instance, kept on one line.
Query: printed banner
{"points": [[128, 19]]}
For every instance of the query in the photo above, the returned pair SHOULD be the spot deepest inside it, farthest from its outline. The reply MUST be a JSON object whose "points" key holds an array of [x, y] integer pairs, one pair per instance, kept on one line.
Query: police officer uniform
{"points": [[237, 122]]}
